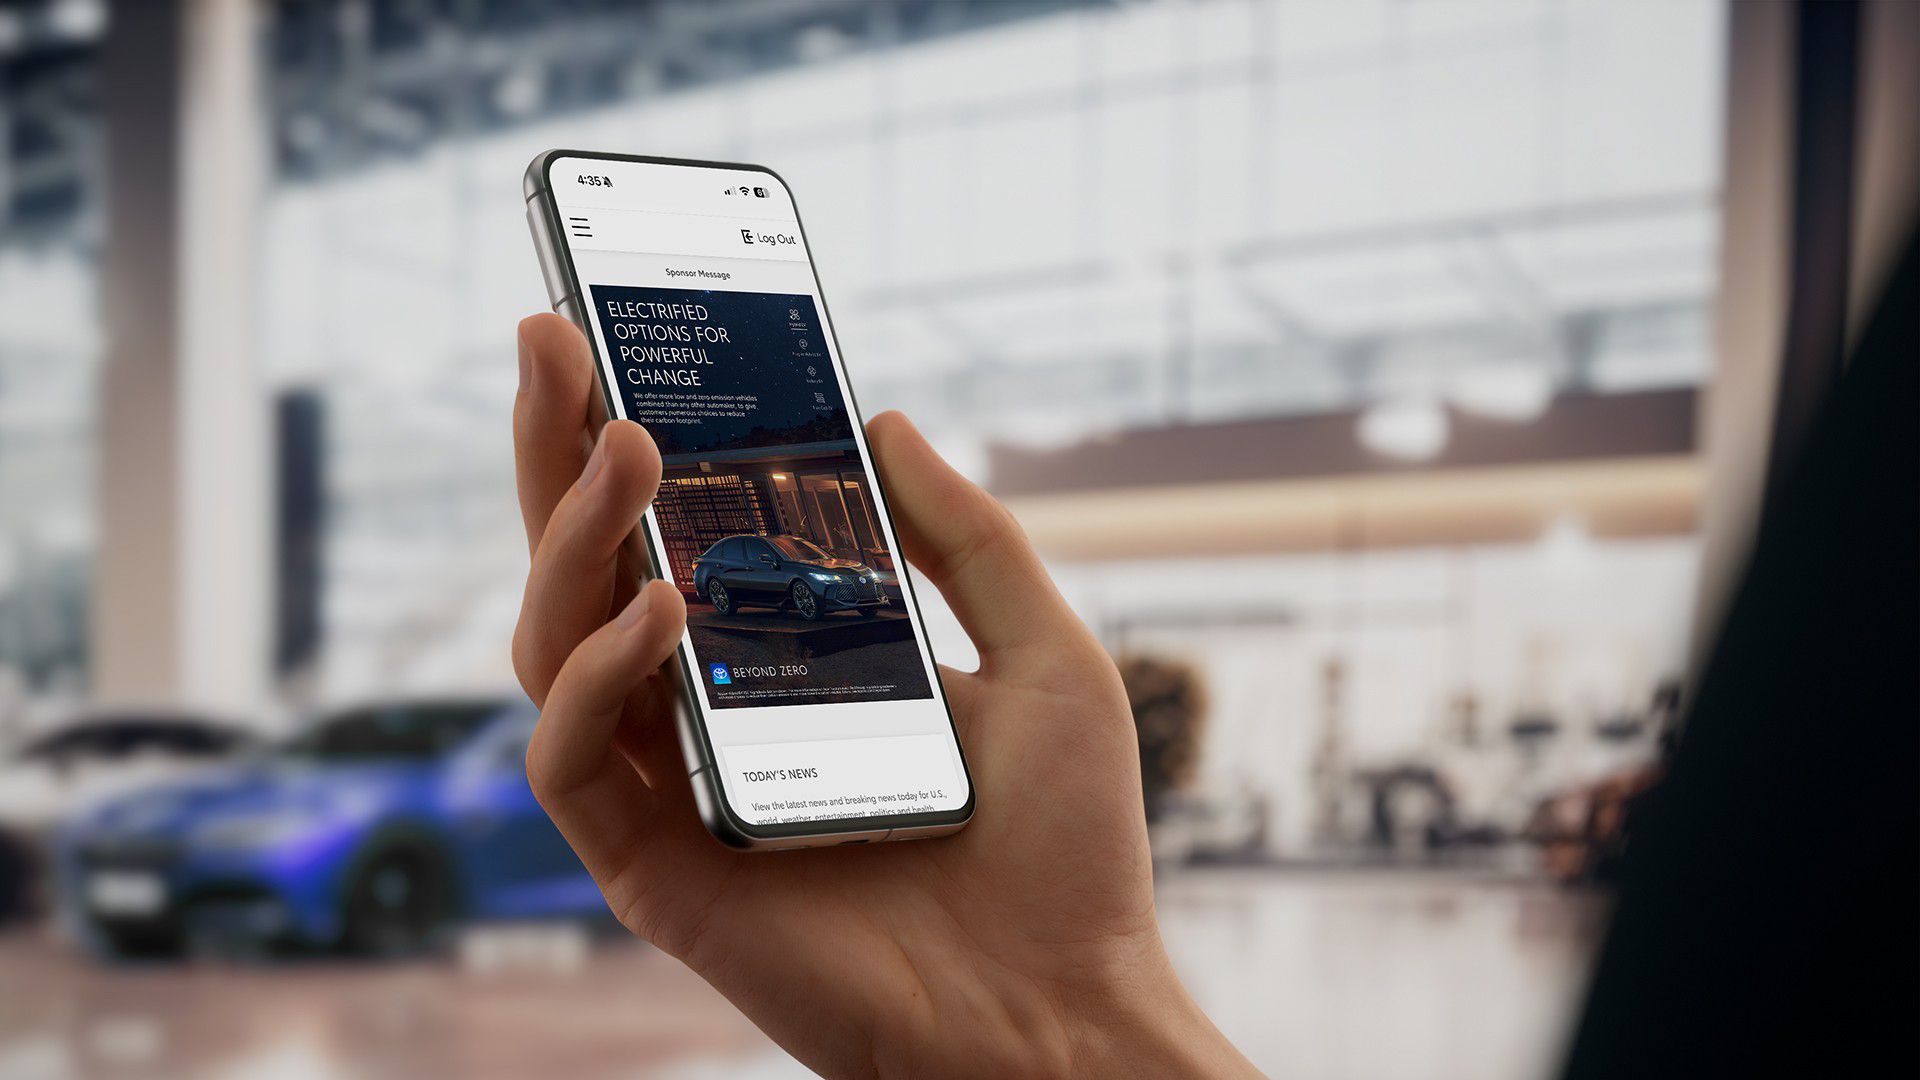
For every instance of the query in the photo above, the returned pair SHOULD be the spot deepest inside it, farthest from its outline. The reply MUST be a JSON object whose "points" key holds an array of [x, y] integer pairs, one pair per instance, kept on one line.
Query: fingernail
{"points": [[635, 610], [594, 460], [526, 364]]}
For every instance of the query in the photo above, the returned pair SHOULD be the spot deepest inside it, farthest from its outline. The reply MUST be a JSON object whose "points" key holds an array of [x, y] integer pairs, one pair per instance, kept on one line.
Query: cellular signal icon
{"points": [[729, 191]]}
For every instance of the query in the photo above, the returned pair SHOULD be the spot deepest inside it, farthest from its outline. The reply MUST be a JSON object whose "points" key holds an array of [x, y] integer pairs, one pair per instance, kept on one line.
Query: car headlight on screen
{"points": [[829, 578]]}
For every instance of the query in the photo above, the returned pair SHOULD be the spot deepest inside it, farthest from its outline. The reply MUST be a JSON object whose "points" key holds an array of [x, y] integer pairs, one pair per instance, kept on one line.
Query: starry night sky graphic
{"points": [[763, 356]]}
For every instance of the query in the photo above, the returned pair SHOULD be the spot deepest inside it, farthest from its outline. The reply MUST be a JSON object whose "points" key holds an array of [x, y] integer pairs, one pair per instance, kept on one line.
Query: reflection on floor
{"points": [[1384, 975], [1362, 975]]}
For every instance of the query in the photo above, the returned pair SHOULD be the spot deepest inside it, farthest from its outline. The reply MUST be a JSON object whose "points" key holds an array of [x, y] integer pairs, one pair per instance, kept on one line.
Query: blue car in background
{"points": [[375, 829]]}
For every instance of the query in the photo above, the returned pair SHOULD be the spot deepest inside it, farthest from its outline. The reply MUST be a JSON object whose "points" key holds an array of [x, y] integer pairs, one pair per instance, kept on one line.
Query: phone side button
{"points": [[690, 746], [547, 253], [569, 309], [702, 796]]}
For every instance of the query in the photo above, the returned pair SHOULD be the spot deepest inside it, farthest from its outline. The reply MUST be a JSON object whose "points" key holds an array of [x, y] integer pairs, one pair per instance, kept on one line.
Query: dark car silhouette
{"points": [[785, 572]]}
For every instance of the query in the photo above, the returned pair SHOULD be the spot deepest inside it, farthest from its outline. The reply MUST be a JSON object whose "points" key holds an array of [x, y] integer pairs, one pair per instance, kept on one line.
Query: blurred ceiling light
{"points": [[1411, 429], [77, 20], [520, 92], [1516, 392], [12, 32], [820, 42]]}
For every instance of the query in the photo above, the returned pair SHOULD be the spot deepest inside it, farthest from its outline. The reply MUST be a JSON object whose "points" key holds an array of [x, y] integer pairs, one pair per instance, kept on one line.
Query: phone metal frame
{"points": [[567, 296]]}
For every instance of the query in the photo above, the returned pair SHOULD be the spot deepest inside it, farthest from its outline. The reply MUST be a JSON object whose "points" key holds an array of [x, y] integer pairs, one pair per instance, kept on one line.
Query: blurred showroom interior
{"points": [[1393, 385]]}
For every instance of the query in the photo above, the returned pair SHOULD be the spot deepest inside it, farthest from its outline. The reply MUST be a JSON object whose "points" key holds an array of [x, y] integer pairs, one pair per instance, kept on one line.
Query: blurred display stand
{"points": [[506, 949], [1227, 828]]}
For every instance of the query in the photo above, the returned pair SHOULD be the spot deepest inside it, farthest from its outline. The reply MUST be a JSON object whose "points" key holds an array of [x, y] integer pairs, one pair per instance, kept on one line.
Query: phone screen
{"points": [[809, 660]]}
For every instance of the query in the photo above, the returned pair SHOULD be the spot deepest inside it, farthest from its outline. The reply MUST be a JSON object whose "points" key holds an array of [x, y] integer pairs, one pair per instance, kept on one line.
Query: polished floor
{"points": [[1400, 975]]}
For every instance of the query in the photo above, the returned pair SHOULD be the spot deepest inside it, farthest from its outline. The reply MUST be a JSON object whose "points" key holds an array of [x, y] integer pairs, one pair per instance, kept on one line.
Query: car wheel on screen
{"points": [[398, 902], [721, 599], [803, 601]]}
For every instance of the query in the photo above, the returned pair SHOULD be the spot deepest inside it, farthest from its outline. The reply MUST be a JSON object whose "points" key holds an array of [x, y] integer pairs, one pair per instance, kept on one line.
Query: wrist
{"points": [[1144, 1023]]}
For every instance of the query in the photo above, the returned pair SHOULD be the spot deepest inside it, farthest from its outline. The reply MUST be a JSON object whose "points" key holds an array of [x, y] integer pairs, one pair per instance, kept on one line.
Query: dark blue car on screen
{"points": [[374, 829], [788, 572]]}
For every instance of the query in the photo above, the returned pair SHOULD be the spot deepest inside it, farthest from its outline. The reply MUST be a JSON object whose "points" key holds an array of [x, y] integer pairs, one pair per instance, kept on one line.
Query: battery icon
{"points": [[759, 193]]}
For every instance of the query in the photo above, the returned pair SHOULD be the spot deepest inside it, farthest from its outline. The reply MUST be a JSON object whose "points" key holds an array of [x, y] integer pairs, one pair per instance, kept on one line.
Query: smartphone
{"points": [[810, 710]]}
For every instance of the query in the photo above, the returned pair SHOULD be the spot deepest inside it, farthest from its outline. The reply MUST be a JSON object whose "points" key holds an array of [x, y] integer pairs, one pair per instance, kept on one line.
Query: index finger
{"points": [[552, 416]]}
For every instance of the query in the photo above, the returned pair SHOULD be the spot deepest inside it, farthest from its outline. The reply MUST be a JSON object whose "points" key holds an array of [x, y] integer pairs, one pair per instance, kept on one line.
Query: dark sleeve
{"points": [[1770, 892]]}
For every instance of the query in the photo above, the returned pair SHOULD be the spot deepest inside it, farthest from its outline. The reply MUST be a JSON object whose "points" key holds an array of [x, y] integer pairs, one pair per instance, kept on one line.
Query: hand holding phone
{"points": [[1024, 945], [805, 691]]}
